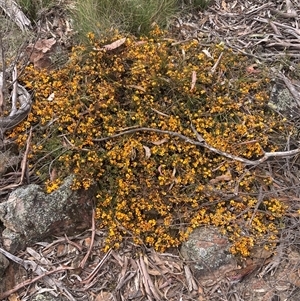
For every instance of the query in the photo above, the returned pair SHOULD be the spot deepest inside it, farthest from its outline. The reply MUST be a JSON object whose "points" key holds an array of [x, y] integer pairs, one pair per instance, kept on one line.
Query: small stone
{"points": [[208, 249], [31, 215]]}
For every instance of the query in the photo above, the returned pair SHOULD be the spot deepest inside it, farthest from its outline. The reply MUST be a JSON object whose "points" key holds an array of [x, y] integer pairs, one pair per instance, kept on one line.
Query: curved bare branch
{"points": [[201, 142], [17, 114]]}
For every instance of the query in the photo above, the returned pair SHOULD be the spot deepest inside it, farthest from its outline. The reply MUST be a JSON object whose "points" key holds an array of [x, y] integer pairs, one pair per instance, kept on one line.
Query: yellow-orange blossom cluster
{"points": [[152, 187]]}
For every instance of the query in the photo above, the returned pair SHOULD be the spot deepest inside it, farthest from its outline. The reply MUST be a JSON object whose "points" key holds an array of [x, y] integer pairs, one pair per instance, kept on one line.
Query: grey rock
{"points": [[7, 160], [282, 101], [3, 264], [30, 215], [13, 240], [207, 249]]}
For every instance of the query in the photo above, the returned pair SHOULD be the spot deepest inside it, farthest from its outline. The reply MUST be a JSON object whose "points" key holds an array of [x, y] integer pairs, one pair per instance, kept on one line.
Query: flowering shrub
{"points": [[154, 187]]}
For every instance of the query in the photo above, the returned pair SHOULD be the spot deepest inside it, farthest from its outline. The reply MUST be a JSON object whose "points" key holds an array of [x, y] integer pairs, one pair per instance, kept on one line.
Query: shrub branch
{"points": [[201, 142]]}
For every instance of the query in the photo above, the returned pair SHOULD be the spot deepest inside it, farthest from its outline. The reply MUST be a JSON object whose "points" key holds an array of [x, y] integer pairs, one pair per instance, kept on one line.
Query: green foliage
{"points": [[155, 187], [133, 16]]}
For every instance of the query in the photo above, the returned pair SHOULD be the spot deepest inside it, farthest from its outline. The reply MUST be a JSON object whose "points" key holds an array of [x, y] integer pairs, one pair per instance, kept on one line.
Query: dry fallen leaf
{"points": [[174, 172], [104, 296], [201, 293], [159, 170], [61, 250], [140, 43], [137, 87], [53, 174], [147, 152], [51, 97], [44, 45], [115, 44], [87, 242], [154, 272], [226, 177], [224, 5], [194, 79], [14, 297], [252, 69], [159, 142], [207, 53]]}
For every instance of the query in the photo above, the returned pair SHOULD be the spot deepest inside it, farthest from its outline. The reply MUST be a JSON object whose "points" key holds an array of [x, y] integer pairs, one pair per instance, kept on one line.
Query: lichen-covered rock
{"points": [[207, 249], [7, 160], [30, 215], [282, 101], [3, 264]]}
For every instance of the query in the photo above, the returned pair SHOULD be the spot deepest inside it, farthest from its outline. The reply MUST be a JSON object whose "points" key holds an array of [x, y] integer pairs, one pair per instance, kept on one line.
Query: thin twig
{"points": [[259, 200], [77, 246], [215, 66], [99, 265], [83, 262], [25, 156], [2, 76], [14, 96]]}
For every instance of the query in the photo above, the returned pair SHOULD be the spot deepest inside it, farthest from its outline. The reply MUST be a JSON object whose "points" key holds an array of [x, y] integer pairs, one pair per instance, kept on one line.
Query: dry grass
{"points": [[127, 16]]}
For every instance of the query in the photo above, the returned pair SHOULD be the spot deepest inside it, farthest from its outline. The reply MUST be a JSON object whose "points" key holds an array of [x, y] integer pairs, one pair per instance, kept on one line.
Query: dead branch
{"points": [[14, 96], [201, 142], [96, 269], [17, 114], [2, 77]]}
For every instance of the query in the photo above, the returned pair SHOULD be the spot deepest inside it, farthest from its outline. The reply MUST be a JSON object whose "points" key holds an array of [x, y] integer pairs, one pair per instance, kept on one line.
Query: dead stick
{"points": [[99, 265], [82, 263], [265, 156], [24, 160]]}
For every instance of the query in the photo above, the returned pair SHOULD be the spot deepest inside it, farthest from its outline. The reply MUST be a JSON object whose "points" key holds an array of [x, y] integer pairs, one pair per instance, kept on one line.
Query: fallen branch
{"points": [[97, 268], [2, 77], [201, 142], [16, 115]]}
